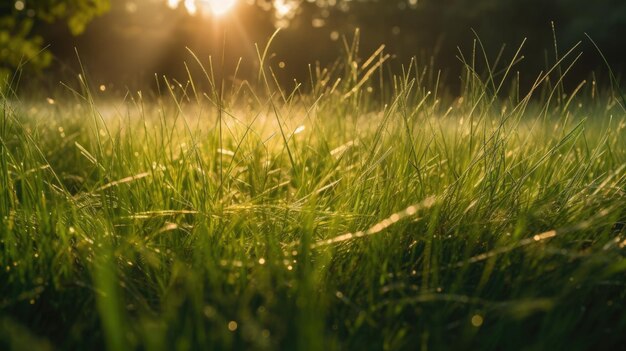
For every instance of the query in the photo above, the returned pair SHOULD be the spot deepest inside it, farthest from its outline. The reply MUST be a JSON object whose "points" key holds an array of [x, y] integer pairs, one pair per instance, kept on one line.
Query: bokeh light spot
{"points": [[477, 320]]}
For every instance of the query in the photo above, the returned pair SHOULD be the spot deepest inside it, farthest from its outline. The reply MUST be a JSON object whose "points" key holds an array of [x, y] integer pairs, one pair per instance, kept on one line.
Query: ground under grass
{"points": [[357, 215]]}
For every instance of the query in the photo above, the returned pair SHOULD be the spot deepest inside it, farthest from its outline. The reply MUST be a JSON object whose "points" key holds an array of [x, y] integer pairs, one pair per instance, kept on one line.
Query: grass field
{"points": [[357, 213]]}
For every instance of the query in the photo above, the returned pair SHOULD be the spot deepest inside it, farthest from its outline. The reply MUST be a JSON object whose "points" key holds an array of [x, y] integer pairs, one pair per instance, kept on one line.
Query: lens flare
{"points": [[219, 7], [215, 7]]}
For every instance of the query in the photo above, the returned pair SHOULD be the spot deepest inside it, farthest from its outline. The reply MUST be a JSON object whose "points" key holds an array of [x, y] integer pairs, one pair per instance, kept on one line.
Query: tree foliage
{"points": [[439, 27], [407, 27], [18, 43]]}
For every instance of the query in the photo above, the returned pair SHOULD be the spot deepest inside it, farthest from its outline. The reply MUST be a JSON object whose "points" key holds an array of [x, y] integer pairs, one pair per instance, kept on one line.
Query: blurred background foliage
{"points": [[124, 43], [21, 45]]}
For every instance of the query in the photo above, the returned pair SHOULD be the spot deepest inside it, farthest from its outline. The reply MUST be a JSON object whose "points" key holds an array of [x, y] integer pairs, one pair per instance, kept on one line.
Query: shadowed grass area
{"points": [[367, 213]]}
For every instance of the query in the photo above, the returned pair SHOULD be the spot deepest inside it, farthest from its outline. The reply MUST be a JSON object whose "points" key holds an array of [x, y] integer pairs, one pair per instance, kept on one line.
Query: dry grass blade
{"points": [[123, 181], [164, 213], [541, 237], [380, 226]]}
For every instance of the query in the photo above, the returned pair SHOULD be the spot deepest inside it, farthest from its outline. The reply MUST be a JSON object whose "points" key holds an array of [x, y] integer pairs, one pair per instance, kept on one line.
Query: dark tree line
{"points": [[409, 28]]}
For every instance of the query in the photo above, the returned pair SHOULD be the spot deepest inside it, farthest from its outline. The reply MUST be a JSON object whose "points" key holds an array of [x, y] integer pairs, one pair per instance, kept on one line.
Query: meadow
{"points": [[367, 209]]}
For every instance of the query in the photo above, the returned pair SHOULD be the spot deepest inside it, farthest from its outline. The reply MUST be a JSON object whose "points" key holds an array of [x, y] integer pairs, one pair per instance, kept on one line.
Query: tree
{"points": [[18, 43]]}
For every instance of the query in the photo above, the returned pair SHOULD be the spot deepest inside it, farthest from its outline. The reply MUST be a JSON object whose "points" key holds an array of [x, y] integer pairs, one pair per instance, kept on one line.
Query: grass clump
{"points": [[373, 212]]}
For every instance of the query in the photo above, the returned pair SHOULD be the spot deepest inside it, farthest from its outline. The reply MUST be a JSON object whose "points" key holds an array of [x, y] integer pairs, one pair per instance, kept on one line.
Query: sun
{"points": [[215, 7], [219, 7]]}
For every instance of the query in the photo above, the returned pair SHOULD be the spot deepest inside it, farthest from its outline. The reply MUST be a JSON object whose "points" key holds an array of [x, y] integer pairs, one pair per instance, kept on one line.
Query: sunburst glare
{"points": [[214, 7], [219, 7]]}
